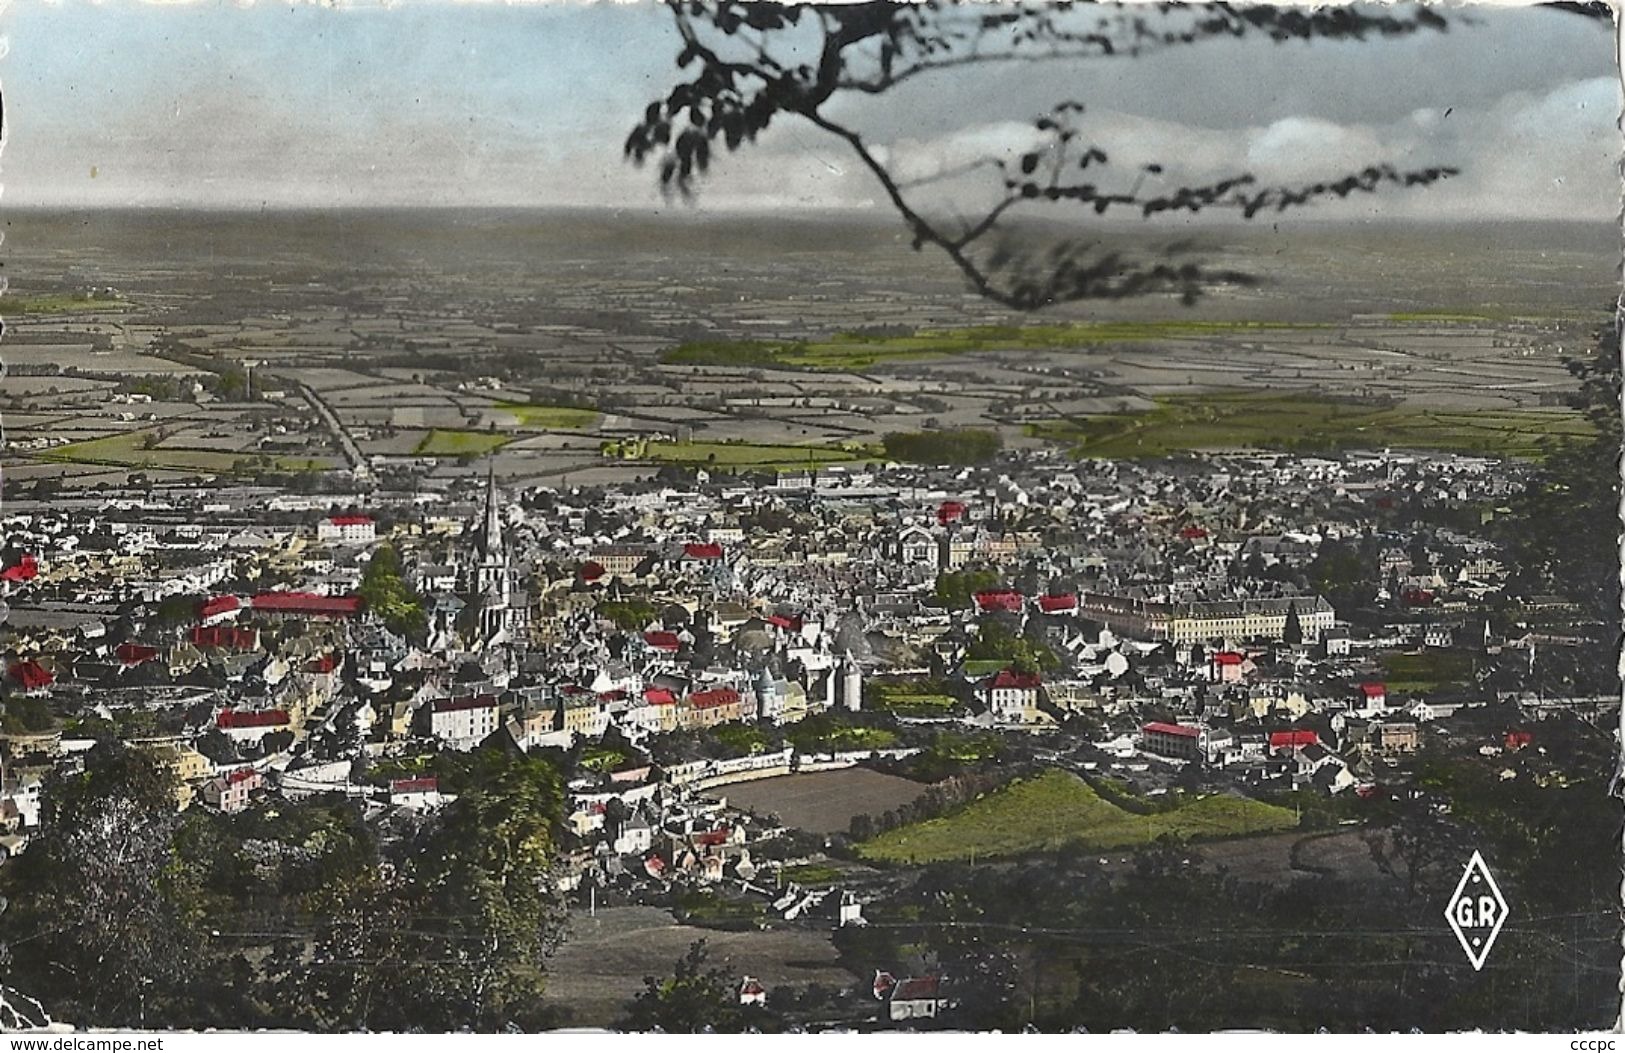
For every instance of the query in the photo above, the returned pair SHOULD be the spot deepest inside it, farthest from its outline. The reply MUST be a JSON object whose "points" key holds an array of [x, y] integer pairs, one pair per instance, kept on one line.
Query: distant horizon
{"points": [[121, 104], [877, 216]]}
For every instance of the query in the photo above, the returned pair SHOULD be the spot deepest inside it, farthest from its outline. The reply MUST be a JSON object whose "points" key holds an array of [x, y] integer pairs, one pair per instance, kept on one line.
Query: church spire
{"points": [[491, 529]]}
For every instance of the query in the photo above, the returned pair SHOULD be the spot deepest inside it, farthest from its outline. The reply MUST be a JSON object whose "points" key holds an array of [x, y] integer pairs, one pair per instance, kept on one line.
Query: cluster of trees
{"points": [[387, 595], [629, 614], [948, 447], [956, 589], [697, 996], [946, 754], [996, 641], [1346, 574], [939, 799], [1565, 527], [24, 713], [125, 911], [730, 353]]}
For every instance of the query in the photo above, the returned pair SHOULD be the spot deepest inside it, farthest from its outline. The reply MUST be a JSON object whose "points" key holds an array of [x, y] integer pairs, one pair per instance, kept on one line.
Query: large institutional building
{"points": [[1201, 621]]}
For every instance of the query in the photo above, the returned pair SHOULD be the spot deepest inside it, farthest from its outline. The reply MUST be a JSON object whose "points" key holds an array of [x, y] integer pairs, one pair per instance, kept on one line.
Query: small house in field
{"points": [[916, 998], [751, 992], [1012, 697]]}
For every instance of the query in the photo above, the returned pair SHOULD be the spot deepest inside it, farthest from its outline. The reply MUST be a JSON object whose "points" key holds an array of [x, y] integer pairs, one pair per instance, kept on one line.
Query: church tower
{"points": [[851, 684], [493, 585]]}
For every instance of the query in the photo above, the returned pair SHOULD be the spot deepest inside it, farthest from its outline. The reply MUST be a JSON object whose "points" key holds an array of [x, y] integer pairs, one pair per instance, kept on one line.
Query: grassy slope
{"points": [[1427, 671], [447, 442], [1058, 809], [1262, 420], [563, 417], [847, 351], [753, 455], [125, 450]]}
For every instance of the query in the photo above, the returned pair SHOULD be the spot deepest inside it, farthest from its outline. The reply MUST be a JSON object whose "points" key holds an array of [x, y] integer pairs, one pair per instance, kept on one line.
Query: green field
{"points": [[1309, 423], [446, 442], [743, 455], [1059, 810], [849, 351], [910, 698], [126, 450], [812, 874], [567, 418], [57, 304], [1430, 670]]}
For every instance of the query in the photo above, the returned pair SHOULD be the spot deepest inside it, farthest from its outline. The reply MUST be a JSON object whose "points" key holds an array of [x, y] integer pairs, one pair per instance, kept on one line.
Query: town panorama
{"points": [[459, 619]]}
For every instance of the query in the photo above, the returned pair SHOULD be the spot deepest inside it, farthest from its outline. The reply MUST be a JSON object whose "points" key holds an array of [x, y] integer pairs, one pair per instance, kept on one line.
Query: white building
{"points": [[463, 723], [347, 530]]}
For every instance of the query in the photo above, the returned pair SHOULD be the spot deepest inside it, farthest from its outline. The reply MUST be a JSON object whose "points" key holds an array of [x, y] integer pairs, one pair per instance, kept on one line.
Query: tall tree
{"points": [[1292, 633], [451, 933], [696, 997], [104, 916]]}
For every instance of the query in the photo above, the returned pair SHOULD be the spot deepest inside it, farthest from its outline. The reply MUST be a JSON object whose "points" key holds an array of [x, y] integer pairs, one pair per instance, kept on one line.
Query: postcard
{"points": [[720, 516]]}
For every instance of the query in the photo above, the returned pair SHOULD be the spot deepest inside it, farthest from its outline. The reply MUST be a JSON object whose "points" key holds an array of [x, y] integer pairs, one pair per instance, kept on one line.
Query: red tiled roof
{"points": [[949, 511], [1228, 658], [915, 988], [1374, 690], [1052, 604], [1172, 729], [241, 775], [426, 784], [325, 664], [1518, 739], [305, 603], [1192, 533], [703, 550], [217, 605], [712, 837], [662, 641], [456, 705], [591, 570], [240, 637], [349, 520], [131, 653], [785, 622], [252, 718], [658, 696], [1008, 678], [999, 600], [719, 696], [25, 568], [1292, 739], [31, 674]]}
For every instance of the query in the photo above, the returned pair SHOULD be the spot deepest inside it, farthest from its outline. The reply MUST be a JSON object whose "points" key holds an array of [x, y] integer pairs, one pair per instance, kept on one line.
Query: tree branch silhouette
{"points": [[754, 62]]}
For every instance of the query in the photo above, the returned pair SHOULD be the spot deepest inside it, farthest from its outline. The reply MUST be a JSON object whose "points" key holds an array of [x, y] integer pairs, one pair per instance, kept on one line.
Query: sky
{"points": [[433, 102]]}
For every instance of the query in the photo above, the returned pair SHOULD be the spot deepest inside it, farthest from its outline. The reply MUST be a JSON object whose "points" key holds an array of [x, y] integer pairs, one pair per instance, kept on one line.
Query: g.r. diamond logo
{"points": [[1477, 911]]}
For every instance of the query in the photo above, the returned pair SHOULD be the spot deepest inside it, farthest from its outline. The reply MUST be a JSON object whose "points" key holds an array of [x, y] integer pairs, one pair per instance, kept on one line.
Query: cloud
{"points": [[1540, 155], [491, 103]]}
